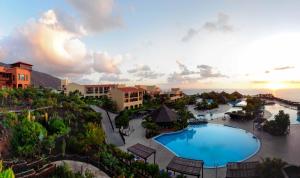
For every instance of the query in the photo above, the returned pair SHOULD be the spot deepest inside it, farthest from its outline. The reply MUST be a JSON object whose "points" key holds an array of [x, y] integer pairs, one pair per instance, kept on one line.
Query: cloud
{"points": [[104, 63], [137, 69], [259, 82], [207, 71], [144, 72], [220, 25], [56, 48], [190, 34], [97, 15], [112, 78], [284, 68], [184, 69], [178, 78], [185, 75]]}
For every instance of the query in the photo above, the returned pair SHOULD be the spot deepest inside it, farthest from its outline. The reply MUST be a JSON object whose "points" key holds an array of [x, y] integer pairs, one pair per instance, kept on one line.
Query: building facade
{"points": [[127, 97], [151, 90], [16, 75], [175, 94], [96, 91]]}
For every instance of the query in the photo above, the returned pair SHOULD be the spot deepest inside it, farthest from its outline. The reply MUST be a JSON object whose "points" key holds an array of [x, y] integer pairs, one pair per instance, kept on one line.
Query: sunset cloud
{"points": [[56, 48], [104, 63]]}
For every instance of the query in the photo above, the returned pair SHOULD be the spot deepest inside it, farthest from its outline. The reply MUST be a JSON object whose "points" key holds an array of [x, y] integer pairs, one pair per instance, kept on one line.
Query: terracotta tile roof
{"points": [[129, 89], [101, 85]]}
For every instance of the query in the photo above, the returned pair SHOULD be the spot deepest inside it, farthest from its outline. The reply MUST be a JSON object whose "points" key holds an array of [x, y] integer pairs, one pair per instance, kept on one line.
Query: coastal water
{"points": [[288, 94]]}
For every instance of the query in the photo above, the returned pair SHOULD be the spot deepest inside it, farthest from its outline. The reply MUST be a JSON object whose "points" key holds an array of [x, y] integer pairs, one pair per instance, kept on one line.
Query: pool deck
{"points": [[284, 147]]}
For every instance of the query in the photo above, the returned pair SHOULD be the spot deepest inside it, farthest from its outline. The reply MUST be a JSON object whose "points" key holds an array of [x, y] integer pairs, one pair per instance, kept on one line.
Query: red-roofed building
{"points": [[127, 97], [16, 75]]}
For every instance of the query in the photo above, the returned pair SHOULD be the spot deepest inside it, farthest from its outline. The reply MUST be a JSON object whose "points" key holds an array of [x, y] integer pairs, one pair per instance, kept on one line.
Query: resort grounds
{"points": [[284, 147]]}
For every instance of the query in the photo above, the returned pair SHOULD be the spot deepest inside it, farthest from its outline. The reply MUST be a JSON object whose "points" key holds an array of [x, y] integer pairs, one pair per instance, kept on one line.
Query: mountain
{"points": [[41, 79], [44, 80]]}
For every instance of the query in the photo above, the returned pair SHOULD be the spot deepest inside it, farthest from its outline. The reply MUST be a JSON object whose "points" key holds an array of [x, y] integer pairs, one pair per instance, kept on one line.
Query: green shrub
{"points": [[271, 168], [280, 125]]}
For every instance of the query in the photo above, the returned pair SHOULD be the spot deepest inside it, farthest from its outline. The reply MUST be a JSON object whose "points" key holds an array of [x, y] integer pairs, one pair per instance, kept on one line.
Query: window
{"points": [[96, 90], [101, 90], [21, 77], [26, 77], [89, 90]]}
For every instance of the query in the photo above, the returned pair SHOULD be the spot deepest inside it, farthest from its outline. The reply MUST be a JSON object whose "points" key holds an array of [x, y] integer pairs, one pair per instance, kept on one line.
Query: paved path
{"points": [[81, 167], [112, 135]]}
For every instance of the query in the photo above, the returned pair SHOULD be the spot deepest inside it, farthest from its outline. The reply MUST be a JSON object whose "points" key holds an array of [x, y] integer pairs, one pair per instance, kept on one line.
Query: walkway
{"points": [[112, 135], [81, 167]]}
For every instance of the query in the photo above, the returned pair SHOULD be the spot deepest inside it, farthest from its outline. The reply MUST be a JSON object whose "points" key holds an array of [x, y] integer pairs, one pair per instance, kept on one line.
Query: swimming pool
{"points": [[275, 108], [215, 144]]}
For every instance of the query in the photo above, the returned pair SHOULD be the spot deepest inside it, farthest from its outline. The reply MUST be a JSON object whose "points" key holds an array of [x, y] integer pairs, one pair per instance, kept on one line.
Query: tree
{"points": [[94, 134], [283, 121], [26, 136], [57, 126], [11, 119], [122, 120], [49, 143], [8, 173], [280, 125]]}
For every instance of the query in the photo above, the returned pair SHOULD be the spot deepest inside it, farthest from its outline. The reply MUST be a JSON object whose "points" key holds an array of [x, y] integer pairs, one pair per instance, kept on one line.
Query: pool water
{"points": [[275, 108], [215, 144]]}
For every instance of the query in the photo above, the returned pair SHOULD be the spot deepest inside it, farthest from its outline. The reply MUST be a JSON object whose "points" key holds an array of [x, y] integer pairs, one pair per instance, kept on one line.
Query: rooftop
{"points": [[164, 115], [130, 89], [20, 62]]}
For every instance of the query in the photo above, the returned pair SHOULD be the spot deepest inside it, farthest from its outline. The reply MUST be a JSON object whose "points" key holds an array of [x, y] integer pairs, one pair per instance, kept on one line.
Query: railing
{"points": [[112, 126], [122, 136]]}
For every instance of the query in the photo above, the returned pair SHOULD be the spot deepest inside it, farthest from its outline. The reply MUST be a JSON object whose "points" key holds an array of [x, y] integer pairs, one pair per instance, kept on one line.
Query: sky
{"points": [[170, 43]]}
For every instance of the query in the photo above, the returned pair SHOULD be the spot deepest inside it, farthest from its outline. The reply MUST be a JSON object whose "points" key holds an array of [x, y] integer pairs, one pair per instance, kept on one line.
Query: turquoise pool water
{"points": [[215, 144], [275, 108]]}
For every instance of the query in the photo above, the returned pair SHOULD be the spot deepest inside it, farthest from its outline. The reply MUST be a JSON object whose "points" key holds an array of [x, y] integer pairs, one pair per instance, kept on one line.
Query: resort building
{"points": [[16, 75], [151, 90], [127, 97], [96, 91], [175, 94]]}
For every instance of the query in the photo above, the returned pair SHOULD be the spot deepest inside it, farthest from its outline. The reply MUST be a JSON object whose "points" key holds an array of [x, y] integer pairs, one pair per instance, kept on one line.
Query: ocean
{"points": [[288, 94]]}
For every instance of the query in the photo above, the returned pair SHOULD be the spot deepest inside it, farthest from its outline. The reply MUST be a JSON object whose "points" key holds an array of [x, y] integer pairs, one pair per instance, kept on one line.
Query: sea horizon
{"points": [[288, 94]]}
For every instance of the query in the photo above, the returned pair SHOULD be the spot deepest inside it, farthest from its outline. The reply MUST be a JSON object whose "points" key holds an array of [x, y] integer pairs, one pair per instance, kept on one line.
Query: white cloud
{"points": [[104, 63], [97, 15], [55, 47]]}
